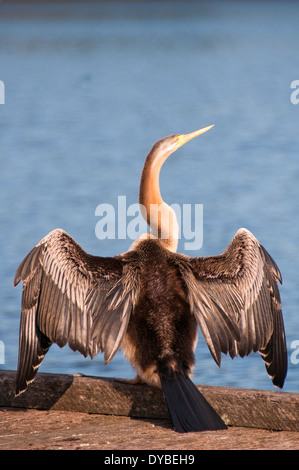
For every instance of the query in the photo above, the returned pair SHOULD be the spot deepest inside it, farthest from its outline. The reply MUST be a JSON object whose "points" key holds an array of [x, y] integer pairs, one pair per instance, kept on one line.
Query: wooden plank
{"points": [[238, 407]]}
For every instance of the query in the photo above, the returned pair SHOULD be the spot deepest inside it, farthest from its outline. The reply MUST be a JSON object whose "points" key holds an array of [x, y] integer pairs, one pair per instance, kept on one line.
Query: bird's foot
{"points": [[136, 380]]}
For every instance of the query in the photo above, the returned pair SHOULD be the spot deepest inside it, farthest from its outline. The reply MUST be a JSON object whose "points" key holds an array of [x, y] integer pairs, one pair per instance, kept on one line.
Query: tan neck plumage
{"points": [[160, 217]]}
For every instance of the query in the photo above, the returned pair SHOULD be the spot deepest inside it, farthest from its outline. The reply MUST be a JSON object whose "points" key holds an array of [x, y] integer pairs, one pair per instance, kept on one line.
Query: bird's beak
{"points": [[184, 138]]}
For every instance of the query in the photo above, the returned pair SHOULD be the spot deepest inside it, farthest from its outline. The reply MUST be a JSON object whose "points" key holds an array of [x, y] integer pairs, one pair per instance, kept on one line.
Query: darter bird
{"points": [[150, 300]]}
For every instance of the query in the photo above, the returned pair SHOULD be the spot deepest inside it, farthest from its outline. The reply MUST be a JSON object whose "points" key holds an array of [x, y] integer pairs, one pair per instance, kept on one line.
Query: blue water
{"points": [[90, 87]]}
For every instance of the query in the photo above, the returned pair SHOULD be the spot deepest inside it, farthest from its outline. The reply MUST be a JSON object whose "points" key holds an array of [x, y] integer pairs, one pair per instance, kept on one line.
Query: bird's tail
{"points": [[188, 409]]}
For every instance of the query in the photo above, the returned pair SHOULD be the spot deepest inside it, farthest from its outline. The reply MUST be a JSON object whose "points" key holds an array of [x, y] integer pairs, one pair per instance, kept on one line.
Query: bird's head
{"points": [[171, 143]]}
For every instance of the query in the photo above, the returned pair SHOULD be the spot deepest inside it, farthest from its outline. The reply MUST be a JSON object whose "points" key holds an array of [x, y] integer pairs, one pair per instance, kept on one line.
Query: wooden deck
{"points": [[78, 412]]}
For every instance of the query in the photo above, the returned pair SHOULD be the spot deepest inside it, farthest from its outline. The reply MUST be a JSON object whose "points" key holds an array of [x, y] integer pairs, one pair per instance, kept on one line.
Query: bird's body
{"points": [[150, 300], [162, 330]]}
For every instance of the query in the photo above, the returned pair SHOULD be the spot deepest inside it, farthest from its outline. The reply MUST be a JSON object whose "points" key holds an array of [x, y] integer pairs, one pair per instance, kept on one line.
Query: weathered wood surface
{"points": [[28, 429], [238, 407]]}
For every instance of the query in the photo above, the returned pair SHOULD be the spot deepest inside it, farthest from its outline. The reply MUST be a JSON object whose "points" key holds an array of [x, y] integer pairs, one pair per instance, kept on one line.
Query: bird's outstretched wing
{"points": [[71, 297], [236, 301]]}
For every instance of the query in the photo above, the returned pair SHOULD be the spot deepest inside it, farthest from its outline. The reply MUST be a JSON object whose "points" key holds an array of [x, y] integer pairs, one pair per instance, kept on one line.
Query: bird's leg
{"points": [[137, 380]]}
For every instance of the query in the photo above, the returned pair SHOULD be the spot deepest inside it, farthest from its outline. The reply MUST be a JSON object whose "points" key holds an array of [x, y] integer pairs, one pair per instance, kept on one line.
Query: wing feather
{"points": [[245, 314], [71, 297], [219, 329]]}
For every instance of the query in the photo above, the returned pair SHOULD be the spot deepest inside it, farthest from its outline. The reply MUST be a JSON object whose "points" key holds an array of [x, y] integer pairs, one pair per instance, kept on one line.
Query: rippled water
{"points": [[90, 87]]}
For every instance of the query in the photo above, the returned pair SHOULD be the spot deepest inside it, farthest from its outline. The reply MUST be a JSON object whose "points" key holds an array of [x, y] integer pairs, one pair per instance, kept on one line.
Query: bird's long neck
{"points": [[160, 216]]}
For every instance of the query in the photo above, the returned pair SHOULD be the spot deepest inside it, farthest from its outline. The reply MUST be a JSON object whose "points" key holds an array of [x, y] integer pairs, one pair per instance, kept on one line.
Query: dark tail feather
{"points": [[188, 409]]}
